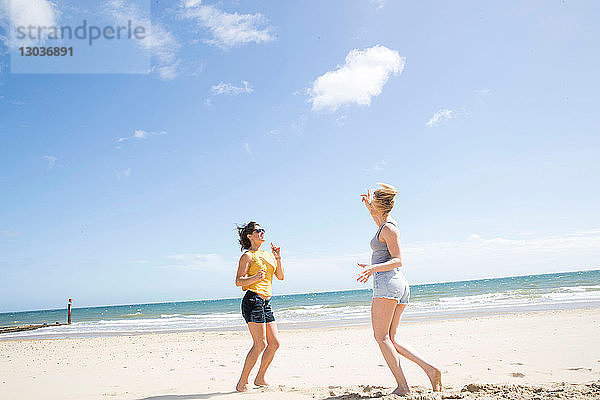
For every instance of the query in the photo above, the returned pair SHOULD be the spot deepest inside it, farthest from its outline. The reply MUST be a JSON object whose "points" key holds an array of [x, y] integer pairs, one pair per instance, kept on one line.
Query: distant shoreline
{"points": [[298, 293], [427, 302], [408, 317]]}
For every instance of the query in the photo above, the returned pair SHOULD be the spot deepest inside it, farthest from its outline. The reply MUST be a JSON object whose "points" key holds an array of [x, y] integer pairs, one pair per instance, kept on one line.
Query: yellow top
{"points": [[261, 260]]}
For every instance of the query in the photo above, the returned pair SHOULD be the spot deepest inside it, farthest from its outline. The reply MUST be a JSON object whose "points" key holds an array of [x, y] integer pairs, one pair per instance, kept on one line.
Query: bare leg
{"points": [[382, 312], [258, 333], [267, 357], [434, 374]]}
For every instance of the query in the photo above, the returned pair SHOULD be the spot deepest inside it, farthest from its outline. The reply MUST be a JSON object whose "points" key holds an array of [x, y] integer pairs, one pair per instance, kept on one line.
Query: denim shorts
{"points": [[391, 285], [256, 309]]}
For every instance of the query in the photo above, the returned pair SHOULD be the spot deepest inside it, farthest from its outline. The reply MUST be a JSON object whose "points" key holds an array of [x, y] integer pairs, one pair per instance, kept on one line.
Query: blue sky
{"points": [[123, 188]]}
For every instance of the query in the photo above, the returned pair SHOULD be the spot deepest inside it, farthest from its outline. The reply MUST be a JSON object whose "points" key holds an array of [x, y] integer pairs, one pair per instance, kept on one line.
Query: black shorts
{"points": [[256, 309]]}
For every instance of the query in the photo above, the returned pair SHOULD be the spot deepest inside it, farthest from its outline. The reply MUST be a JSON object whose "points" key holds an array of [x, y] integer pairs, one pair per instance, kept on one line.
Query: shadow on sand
{"points": [[187, 396]]}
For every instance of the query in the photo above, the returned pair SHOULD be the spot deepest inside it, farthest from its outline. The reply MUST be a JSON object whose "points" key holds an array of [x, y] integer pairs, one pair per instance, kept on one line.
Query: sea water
{"points": [[427, 301]]}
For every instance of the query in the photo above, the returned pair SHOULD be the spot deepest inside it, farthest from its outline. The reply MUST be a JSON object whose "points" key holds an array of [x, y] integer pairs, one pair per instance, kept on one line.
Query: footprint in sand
{"points": [[517, 375], [579, 369]]}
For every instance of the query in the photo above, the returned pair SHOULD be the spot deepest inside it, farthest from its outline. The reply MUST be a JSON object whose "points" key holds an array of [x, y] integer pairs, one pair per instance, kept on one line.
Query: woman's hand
{"points": [[260, 275], [279, 270], [366, 273], [276, 251], [366, 198]]}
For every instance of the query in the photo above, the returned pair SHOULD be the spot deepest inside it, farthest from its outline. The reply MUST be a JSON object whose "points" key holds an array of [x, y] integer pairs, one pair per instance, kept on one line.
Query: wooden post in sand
{"points": [[69, 311]]}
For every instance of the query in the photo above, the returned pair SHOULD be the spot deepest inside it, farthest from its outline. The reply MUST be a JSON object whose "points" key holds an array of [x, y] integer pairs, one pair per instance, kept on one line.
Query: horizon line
{"points": [[597, 268]]}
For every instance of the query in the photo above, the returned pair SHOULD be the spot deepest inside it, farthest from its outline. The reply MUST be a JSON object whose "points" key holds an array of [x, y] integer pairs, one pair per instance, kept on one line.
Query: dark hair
{"points": [[244, 231]]}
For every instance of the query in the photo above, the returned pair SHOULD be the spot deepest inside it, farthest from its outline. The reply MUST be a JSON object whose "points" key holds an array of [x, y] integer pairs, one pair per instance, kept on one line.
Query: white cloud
{"points": [[191, 3], [126, 173], [9, 234], [379, 165], [360, 79], [474, 257], [247, 148], [440, 116], [195, 257], [274, 132], [341, 120], [228, 29], [167, 72], [231, 90], [299, 125], [378, 4], [476, 245], [201, 262], [51, 160], [158, 42], [10, 101], [308, 272], [482, 94], [25, 13], [194, 67], [141, 134]]}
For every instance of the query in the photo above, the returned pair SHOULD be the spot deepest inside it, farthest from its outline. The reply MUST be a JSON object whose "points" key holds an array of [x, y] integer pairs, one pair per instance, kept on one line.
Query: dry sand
{"points": [[488, 353]]}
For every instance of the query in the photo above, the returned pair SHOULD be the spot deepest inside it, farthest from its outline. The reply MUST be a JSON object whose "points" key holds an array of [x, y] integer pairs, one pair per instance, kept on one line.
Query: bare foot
{"points": [[435, 376], [260, 382], [401, 391], [241, 387]]}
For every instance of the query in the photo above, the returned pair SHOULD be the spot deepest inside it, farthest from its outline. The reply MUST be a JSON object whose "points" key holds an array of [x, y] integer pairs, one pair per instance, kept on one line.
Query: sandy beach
{"points": [[555, 353]]}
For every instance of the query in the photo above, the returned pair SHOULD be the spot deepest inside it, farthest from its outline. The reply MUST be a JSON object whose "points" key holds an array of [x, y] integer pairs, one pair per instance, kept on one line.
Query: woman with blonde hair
{"points": [[391, 291], [255, 273]]}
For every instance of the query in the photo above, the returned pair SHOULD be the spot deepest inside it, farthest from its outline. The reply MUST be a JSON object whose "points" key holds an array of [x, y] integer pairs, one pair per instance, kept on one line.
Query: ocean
{"points": [[428, 301]]}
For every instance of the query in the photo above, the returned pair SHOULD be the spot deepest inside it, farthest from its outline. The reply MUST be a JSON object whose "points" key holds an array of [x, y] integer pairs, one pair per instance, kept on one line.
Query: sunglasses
{"points": [[259, 230]]}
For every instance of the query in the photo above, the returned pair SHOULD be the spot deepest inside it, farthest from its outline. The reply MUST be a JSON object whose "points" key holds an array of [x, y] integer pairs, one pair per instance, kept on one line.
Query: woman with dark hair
{"points": [[390, 290], [255, 275]]}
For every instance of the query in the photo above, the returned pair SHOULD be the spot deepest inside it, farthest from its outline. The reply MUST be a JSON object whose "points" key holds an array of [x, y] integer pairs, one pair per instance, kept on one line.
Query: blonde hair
{"points": [[383, 198]]}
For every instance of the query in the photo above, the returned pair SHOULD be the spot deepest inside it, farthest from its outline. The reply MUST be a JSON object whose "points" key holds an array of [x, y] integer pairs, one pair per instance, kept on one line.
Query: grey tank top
{"points": [[381, 253]]}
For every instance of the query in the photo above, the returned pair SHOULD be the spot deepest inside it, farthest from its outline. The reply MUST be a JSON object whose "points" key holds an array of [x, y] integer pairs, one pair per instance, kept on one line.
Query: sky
{"points": [[126, 186]]}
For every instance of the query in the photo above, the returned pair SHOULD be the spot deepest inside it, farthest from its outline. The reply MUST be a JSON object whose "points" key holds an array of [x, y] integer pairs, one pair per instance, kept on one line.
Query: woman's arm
{"points": [[391, 236], [367, 199], [241, 279], [279, 273], [279, 270]]}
